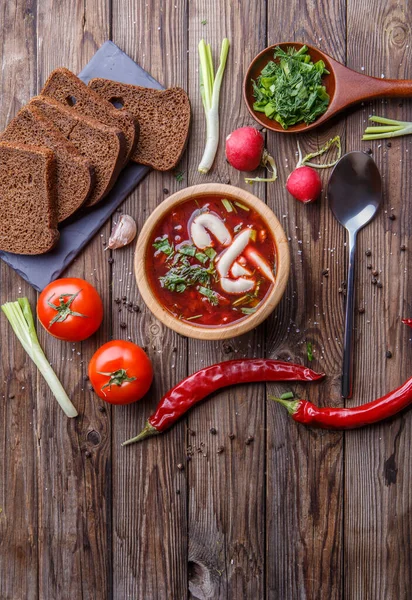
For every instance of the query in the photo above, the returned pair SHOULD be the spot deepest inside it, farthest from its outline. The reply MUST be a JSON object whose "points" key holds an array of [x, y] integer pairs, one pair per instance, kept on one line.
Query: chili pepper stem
{"points": [[148, 431], [290, 405]]}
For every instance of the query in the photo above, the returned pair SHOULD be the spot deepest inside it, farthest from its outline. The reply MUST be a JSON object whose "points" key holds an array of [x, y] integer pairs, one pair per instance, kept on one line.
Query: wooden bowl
{"points": [[255, 68], [220, 332]]}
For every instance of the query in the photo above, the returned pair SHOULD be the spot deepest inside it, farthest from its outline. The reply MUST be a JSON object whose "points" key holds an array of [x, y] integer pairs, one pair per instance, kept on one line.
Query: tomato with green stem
{"points": [[120, 372], [70, 309]]}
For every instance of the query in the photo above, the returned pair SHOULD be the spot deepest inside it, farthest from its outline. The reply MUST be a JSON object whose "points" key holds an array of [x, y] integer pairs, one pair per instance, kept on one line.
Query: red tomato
{"points": [[70, 309], [120, 372]]}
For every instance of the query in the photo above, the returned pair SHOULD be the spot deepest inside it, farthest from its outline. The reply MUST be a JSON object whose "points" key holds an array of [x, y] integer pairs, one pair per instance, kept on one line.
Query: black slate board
{"points": [[111, 63]]}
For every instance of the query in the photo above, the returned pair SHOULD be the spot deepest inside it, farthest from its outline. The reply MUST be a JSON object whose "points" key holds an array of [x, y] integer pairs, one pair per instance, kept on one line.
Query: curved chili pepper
{"points": [[196, 387], [407, 322], [307, 413]]}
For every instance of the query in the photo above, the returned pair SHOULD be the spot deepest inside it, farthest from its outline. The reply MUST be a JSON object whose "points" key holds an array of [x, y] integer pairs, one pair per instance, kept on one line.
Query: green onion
{"points": [[253, 235], [201, 257], [309, 350], [247, 311], [163, 245], [194, 317], [210, 91], [209, 294], [243, 300], [287, 396], [20, 318], [227, 204], [187, 250], [390, 129], [242, 206], [210, 252]]}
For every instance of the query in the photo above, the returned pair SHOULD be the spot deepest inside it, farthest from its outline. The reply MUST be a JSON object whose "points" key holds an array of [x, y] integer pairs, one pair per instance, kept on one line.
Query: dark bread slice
{"points": [[28, 223], [64, 86], [73, 171], [163, 116], [103, 146]]}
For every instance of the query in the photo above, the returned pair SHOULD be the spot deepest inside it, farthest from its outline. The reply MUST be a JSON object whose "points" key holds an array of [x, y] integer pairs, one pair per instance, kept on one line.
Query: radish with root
{"points": [[245, 151], [304, 182]]}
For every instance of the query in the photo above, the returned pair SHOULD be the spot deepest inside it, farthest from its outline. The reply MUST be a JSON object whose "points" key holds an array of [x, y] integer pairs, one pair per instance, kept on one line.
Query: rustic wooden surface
{"points": [[298, 514]]}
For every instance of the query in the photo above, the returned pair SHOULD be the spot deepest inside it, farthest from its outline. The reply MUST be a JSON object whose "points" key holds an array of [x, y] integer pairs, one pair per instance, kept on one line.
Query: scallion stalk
{"points": [[389, 128], [20, 318], [210, 92]]}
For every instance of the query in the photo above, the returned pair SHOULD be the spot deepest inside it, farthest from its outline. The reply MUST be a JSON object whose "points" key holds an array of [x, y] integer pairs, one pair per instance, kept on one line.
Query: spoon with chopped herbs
{"points": [[293, 87]]}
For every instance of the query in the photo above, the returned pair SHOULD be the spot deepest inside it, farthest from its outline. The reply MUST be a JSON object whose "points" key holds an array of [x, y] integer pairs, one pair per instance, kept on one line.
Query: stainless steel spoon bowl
{"points": [[354, 193]]}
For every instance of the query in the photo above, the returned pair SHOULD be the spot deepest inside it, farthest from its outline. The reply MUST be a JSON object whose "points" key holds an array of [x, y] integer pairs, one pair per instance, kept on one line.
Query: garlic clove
{"points": [[123, 232]]}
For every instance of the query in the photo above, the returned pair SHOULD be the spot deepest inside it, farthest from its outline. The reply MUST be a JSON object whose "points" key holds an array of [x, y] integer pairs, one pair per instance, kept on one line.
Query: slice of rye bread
{"points": [[103, 146], [28, 203], [164, 119], [64, 86], [74, 173]]}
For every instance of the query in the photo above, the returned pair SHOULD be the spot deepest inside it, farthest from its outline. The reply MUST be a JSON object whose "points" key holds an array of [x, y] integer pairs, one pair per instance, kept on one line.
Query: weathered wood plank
{"points": [[149, 491], [378, 521], [226, 490], [18, 483], [74, 456], [304, 467]]}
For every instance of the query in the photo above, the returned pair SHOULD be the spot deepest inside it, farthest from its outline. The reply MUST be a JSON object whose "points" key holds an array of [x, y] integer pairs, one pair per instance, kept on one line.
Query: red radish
{"points": [[245, 151], [304, 184], [244, 148]]}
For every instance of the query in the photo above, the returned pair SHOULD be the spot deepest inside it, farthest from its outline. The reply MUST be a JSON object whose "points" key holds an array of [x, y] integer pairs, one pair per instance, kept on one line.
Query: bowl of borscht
{"points": [[212, 261]]}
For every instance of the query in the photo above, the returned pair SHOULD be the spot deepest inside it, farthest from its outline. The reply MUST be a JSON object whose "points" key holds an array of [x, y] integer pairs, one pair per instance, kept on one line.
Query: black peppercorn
{"points": [[368, 252], [374, 281], [375, 272], [165, 191], [110, 260], [403, 247], [213, 431], [123, 325], [102, 409], [379, 284], [369, 266], [388, 354], [392, 217], [232, 436]]}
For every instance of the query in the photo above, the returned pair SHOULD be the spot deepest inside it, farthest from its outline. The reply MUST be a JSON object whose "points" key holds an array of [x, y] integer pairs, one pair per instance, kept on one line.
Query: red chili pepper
{"points": [[307, 413], [407, 322], [196, 387]]}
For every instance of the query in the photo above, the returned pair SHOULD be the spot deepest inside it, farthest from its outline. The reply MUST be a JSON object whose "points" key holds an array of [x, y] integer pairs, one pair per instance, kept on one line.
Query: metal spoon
{"points": [[354, 193]]}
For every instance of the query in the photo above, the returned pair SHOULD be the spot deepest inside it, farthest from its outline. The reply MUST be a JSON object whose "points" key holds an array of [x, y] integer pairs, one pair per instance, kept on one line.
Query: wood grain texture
{"points": [[18, 466], [304, 473], [378, 520], [74, 456], [226, 490], [149, 504]]}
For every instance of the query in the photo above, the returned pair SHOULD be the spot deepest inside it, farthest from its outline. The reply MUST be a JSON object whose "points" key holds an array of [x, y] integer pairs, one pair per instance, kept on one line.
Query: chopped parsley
{"points": [[309, 350], [210, 252], [290, 90], [201, 257], [188, 250], [179, 175], [164, 246], [209, 294], [178, 278], [247, 311]]}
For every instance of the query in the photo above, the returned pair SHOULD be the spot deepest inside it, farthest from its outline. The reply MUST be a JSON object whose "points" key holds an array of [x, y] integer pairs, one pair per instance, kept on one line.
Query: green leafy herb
{"points": [[210, 252], [179, 175], [253, 235], [309, 350], [287, 396], [290, 90], [204, 22], [388, 128], [201, 257], [247, 311], [178, 278], [164, 246], [210, 295], [187, 250]]}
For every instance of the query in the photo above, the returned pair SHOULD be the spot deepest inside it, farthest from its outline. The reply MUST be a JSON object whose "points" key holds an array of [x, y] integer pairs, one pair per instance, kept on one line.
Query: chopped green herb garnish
{"points": [[182, 276], [164, 245], [253, 235], [187, 250], [194, 317], [179, 176], [210, 295], [210, 252], [247, 311], [242, 206], [204, 22], [309, 350], [201, 257], [243, 300], [290, 90], [227, 204]]}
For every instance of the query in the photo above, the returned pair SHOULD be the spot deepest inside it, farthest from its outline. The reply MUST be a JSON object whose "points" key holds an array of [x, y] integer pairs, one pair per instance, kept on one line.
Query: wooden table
{"points": [[298, 513]]}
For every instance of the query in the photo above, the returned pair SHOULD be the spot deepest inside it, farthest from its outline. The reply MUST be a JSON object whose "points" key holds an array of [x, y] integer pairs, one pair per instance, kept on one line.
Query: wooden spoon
{"points": [[344, 86]]}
